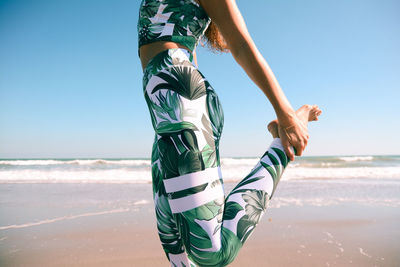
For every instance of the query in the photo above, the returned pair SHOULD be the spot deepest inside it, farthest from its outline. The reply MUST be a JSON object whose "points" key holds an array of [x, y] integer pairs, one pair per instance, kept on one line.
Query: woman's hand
{"points": [[293, 132]]}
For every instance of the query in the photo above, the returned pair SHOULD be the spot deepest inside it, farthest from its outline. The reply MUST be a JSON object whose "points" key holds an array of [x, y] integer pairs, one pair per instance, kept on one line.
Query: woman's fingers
{"points": [[296, 136], [299, 148], [286, 143]]}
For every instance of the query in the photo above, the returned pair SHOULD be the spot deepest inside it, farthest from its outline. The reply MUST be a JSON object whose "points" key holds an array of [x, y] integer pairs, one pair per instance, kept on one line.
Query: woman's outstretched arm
{"points": [[226, 15]]}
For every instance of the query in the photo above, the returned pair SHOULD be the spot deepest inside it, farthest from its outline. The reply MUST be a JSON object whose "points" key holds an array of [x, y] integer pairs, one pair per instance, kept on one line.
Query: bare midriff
{"points": [[148, 51]]}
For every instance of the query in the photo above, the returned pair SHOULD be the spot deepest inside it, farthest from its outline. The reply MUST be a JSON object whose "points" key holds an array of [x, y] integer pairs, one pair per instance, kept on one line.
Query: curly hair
{"points": [[214, 39]]}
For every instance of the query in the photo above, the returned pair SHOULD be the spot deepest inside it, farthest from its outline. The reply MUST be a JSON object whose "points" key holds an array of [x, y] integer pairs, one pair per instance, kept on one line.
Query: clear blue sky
{"points": [[70, 78]]}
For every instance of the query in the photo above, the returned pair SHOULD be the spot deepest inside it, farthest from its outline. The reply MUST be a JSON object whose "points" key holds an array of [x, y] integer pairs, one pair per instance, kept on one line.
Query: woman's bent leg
{"points": [[247, 202], [213, 229]]}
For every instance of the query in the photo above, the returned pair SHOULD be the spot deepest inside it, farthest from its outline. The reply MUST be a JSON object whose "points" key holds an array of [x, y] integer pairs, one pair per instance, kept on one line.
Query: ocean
{"points": [[315, 181], [49, 203], [101, 170]]}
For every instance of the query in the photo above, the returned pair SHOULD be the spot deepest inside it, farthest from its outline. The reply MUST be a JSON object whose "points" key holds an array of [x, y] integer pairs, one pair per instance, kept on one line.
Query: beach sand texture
{"points": [[114, 225]]}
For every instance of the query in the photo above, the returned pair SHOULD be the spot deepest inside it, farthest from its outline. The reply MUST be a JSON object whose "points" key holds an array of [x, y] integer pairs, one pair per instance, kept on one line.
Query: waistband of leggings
{"points": [[167, 56]]}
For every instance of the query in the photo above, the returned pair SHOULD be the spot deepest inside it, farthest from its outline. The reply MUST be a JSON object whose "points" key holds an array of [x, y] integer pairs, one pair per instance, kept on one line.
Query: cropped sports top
{"points": [[180, 21]]}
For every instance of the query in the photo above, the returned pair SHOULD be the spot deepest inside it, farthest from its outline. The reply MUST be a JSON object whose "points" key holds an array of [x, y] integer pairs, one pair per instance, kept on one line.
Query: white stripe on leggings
{"points": [[192, 179], [193, 201]]}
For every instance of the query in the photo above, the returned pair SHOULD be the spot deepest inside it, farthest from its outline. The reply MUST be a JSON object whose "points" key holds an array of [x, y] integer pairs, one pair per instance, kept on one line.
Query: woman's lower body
{"points": [[197, 225]]}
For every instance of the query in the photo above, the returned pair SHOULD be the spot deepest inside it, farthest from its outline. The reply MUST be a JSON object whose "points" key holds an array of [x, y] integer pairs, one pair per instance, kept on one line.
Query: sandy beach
{"points": [[114, 225]]}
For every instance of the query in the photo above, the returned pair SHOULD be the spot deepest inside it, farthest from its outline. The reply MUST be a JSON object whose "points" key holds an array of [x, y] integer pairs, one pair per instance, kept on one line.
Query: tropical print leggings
{"points": [[197, 225]]}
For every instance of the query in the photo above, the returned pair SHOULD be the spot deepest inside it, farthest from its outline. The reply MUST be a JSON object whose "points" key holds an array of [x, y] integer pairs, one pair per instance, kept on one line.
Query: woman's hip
{"points": [[180, 98]]}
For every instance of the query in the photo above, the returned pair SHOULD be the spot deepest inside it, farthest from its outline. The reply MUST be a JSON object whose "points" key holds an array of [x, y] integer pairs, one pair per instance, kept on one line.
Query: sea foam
{"points": [[233, 169]]}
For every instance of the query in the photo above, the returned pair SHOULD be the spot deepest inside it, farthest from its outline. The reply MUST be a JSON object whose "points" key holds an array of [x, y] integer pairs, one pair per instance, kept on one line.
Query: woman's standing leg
{"points": [[190, 205], [192, 214]]}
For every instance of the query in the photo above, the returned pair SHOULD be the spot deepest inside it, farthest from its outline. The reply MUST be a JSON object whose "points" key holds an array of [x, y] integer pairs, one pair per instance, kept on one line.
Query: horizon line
{"points": [[234, 157]]}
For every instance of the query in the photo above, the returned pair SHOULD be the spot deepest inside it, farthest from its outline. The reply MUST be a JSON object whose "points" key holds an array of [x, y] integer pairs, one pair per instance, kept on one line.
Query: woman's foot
{"points": [[306, 113]]}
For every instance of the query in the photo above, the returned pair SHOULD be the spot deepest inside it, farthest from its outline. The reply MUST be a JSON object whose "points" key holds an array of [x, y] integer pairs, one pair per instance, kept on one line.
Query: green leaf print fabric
{"points": [[197, 224], [180, 21]]}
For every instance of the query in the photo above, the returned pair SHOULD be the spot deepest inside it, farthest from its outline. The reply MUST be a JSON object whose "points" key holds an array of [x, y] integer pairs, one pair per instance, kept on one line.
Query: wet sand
{"points": [[81, 226]]}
